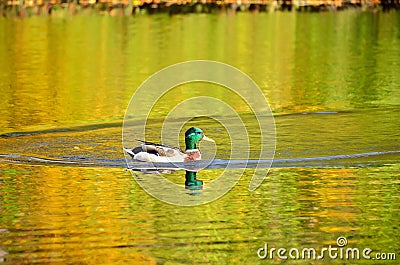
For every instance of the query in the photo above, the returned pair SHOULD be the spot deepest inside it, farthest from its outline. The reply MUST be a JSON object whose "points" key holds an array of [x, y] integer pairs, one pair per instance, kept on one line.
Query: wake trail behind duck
{"points": [[346, 160]]}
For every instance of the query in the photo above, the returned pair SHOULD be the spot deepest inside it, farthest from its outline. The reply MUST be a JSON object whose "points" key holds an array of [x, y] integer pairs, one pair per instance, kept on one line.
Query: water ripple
{"points": [[348, 160]]}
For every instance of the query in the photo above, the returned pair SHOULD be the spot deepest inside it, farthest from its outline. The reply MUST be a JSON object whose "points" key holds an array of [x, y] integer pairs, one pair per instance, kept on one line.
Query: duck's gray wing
{"points": [[156, 149], [156, 145]]}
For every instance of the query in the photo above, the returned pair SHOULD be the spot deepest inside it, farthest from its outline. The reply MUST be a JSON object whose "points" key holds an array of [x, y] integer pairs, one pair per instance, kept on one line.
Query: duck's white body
{"points": [[170, 155]]}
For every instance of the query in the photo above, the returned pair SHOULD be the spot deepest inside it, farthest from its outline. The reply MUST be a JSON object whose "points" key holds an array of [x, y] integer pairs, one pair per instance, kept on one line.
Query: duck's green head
{"points": [[193, 136]]}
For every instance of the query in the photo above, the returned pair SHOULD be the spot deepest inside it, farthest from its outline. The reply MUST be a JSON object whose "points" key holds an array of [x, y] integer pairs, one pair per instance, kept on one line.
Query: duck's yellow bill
{"points": [[207, 139]]}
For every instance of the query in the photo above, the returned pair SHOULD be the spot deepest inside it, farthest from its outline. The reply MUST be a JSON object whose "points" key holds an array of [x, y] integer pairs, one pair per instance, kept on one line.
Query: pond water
{"points": [[333, 84]]}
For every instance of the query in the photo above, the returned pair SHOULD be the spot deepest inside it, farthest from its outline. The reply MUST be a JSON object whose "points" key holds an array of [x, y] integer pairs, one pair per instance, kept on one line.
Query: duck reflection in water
{"points": [[191, 181]]}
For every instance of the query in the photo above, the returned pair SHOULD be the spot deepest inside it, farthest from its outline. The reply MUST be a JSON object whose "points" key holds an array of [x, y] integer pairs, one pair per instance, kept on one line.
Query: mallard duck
{"points": [[151, 152]]}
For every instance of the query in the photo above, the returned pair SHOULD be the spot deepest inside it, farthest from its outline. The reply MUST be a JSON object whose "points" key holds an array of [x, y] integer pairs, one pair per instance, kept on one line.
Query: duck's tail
{"points": [[129, 151]]}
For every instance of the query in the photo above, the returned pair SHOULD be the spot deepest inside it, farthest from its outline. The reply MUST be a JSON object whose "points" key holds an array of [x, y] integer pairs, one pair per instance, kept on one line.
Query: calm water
{"points": [[332, 81]]}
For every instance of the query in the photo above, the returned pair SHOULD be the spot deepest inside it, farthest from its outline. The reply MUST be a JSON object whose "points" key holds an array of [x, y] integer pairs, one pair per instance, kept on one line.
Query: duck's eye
{"points": [[198, 132]]}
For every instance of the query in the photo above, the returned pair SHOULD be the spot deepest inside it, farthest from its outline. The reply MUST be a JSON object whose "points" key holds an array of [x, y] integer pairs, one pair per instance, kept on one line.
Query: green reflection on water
{"points": [[63, 71]]}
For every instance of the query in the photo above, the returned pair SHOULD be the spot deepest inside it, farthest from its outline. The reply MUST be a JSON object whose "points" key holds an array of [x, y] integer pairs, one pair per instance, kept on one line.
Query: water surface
{"points": [[332, 81]]}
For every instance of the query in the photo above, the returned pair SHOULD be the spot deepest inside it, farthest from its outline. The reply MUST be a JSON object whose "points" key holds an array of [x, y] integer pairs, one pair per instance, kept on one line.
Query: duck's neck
{"points": [[190, 144]]}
